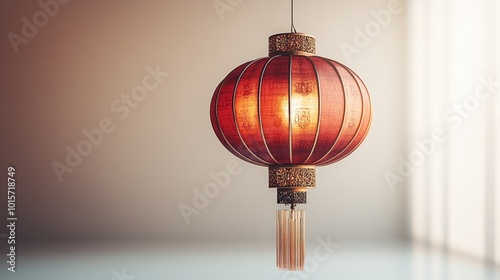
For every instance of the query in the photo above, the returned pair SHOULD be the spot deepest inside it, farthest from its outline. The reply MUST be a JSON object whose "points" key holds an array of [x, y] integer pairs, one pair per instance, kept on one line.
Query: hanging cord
{"points": [[292, 27]]}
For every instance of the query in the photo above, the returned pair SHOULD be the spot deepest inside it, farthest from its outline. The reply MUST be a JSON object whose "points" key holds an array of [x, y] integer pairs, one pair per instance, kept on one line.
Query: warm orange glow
{"points": [[291, 110]]}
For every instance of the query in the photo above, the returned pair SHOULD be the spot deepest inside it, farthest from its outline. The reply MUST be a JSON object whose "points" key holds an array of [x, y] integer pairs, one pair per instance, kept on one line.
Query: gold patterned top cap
{"points": [[292, 44]]}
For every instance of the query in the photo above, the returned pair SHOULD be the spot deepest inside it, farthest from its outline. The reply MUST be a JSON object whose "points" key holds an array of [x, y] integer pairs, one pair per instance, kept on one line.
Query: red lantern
{"points": [[291, 111]]}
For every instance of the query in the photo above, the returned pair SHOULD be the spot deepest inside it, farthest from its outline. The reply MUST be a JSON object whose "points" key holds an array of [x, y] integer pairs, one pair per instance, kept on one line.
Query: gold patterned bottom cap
{"points": [[293, 177]]}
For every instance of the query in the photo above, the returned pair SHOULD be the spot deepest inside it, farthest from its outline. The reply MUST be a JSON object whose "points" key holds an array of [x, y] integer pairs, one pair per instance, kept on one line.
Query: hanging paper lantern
{"points": [[291, 111]]}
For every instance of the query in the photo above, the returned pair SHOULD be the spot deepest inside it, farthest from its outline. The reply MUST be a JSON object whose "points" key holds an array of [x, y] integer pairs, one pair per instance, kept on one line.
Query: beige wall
{"points": [[71, 76]]}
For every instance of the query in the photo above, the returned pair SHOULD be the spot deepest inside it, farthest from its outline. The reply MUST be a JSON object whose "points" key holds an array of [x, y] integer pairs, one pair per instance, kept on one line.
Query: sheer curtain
{"points": [[453, 160]]}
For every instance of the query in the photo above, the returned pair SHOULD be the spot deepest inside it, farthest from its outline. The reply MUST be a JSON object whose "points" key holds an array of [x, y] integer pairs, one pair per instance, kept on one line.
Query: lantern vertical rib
{"points": [[290, 135], [335, 158], [345, 112], [368, 125], [226, 143], [260, 111], [234, 113], [318, 126]]}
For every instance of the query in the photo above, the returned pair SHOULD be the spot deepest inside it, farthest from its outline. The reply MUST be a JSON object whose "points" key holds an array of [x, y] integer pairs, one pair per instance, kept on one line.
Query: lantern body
{"points": [[291, 110]]}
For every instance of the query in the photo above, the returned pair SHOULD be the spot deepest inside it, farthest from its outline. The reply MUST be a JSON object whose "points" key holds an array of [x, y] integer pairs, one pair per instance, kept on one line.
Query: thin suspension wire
{"points": [[292, 27]]}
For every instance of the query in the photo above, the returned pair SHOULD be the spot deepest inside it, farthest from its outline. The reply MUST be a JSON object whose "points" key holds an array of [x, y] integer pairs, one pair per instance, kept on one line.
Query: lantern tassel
{"points": [[290, 239]]}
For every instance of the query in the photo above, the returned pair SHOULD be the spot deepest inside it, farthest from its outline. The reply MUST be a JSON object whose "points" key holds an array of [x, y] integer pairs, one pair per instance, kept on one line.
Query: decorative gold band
{"points": [[285, 196], [292, 44], [293, 177]]}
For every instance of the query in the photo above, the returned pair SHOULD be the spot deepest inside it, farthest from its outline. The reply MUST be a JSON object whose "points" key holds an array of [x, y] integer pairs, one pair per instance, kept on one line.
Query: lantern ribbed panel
{"points": [[291, 110]]}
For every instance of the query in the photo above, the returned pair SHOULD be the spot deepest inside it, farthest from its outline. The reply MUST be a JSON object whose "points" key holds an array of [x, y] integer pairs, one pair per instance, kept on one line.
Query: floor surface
{"points": [[324, 260]]}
